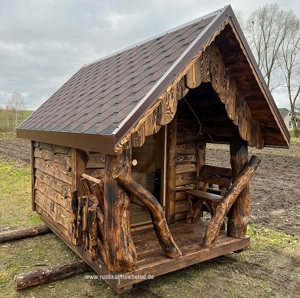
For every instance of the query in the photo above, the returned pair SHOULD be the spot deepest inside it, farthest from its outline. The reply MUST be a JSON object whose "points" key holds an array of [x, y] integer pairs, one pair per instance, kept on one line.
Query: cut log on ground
{"points": [[41, 276], [20, 234]]}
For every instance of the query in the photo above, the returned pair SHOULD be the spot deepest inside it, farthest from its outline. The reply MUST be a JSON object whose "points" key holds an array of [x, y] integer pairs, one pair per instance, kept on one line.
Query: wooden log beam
{"points": [[157, 214], [42, 276], [238, 185], [171, 170], [119, 246], [239, 214], [20, 234]]}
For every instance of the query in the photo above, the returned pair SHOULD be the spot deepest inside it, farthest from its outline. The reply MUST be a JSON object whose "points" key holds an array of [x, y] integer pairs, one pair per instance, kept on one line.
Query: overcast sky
{"points": [[44, 42]]}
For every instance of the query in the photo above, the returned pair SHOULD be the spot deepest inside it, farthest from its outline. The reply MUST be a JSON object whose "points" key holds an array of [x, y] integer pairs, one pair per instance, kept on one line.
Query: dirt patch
{"points": [[16, 150], [274, 187]]}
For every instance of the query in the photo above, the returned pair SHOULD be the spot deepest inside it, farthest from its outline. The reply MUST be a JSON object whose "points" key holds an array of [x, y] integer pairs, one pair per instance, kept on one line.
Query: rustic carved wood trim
{"points": [[236, 107], [178, 84], [206, 66]]}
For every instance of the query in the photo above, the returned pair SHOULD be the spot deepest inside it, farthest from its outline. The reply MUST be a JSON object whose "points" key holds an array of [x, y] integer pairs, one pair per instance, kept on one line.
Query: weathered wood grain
{"points": [[120, 249], [42, 276], [238, 185], [157, 214], [171, 171], [23, 233], [239, 214]]}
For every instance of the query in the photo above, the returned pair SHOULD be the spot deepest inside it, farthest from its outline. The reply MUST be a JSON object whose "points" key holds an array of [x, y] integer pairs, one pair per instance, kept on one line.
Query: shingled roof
{"points": [[101, 103]]}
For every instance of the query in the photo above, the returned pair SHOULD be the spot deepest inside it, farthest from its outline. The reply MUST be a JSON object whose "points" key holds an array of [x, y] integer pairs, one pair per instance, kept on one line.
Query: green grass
{"points": [[15, 197]]}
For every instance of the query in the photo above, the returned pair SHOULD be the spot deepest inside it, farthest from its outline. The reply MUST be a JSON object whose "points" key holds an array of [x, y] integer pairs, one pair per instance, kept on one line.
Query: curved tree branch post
{"points": [[157, 214], [119, 247], [238, 185]]}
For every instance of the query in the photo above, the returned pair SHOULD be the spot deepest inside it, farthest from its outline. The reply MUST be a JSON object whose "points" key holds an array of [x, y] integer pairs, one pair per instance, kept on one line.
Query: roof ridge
{"points": [[202, 18]]}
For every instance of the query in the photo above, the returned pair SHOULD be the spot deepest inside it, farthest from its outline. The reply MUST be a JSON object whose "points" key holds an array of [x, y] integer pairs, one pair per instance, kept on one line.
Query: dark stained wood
{"points": [[24, 233], [157, 214], [54, 195], [199, 71], [167, 108], [151, 124], [200, 157], [63, 188], [45, 154], [207, 194], [42, 276], [223, 207], [93, 233], [239, 214], [152, 261], [53, 169], [79, 161], [138, 137], [120, 249], [171, 171], [32, 174], [199, 194]]}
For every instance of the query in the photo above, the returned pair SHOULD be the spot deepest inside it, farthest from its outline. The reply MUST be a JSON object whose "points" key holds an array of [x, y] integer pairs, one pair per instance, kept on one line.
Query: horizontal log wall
{"points": [[52, 186], [185, 166], [95, 165]]}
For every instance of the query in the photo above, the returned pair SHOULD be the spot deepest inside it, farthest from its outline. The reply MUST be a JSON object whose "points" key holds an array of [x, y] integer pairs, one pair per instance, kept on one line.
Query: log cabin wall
{"points": [[185, 164], [95, 165], [53, 197]]}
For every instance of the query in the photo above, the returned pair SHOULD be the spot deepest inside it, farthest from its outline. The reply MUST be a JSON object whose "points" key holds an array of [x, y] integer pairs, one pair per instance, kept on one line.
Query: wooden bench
{"points": [[213, 182]]}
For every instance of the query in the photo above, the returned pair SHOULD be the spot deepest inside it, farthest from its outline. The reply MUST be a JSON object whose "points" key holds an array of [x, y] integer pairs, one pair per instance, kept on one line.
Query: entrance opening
{"points": [[147, 170]]}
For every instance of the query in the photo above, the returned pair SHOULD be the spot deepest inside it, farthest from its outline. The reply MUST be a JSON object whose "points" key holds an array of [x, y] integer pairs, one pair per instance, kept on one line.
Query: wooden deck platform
{"points": [[151, 258]]}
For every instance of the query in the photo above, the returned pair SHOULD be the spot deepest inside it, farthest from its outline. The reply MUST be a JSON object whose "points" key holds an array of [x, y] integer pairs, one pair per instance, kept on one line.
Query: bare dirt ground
{"points": [[270, 271]]}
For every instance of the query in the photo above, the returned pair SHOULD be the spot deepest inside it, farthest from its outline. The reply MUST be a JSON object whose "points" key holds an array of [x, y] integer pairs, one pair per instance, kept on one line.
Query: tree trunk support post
{"points": [[214, 226], [160, 225], [239, 214], [119, 246]]}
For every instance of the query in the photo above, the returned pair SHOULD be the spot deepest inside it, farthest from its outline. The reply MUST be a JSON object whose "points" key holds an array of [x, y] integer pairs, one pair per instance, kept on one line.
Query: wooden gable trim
{"points": [[237, 31], [167, 101], [208, 66]]}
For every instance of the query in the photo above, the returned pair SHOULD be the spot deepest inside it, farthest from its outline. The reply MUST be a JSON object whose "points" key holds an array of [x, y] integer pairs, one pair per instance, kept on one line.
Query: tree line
{"points": [[274, 37], [13, 114]]}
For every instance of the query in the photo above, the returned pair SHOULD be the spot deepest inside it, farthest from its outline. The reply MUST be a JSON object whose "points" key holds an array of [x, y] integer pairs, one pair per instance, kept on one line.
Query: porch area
{"points": [[151, 259]]}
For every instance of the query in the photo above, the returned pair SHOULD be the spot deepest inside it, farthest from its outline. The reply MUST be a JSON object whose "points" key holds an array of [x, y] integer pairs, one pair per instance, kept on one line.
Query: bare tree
{"points": [[291, 67], [274, 35], [266, 29], [16, 104]]}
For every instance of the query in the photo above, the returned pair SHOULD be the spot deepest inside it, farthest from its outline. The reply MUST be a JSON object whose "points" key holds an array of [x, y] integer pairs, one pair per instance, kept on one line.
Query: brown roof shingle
{"points": [[101, 94]]}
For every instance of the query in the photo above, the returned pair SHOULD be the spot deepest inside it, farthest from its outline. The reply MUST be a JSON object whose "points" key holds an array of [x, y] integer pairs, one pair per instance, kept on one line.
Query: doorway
{"points": [[148, 170]]}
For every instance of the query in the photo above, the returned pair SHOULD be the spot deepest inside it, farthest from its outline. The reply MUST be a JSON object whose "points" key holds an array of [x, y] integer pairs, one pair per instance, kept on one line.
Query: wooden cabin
{"points": [[118, 152]]}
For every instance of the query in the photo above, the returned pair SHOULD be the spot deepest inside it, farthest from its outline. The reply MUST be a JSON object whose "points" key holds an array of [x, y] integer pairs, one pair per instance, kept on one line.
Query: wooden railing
{"points": [[160, 225], [224, 206]]}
